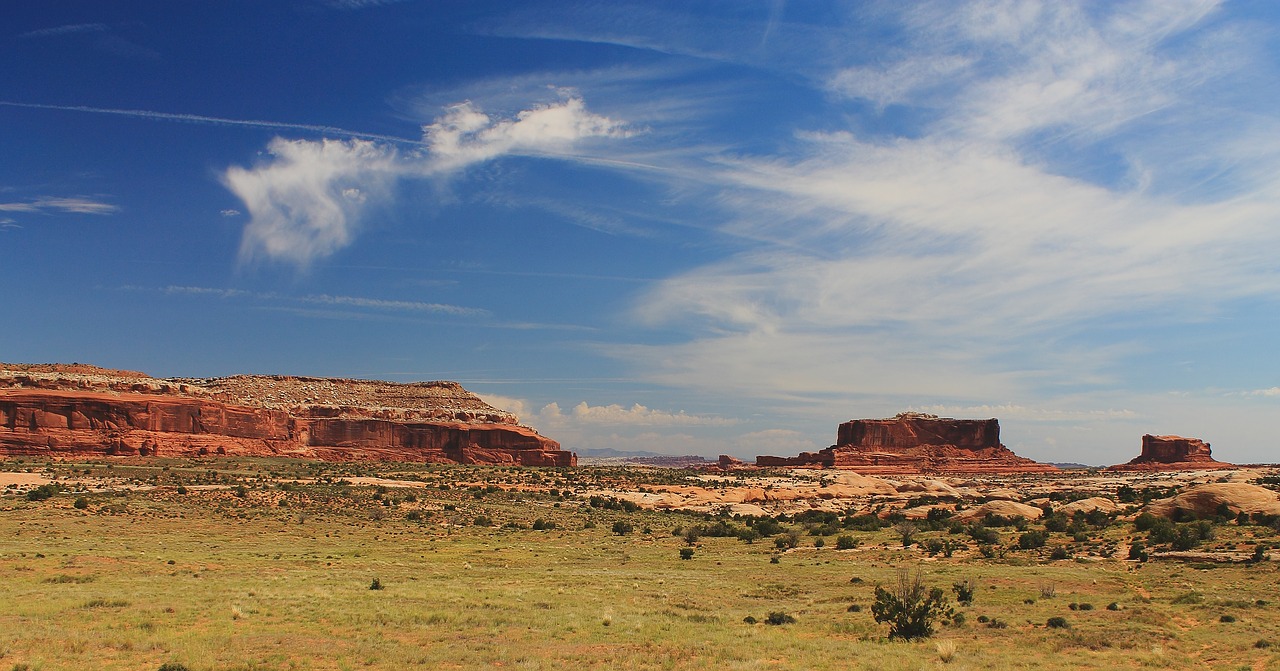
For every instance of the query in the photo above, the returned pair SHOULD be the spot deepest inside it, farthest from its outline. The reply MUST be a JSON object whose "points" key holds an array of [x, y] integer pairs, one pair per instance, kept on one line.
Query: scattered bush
{"points": [[1057, 623], [846, 542], [1227, 618], [80, 503], [375, 585], [1138, 551], [964, 590], [1033, 539], [482, 521], [909, 608], [854, 608], [43, 492], [173, 666], [686, 553], [779, 617], [622, 527], [788, 540], [750, 619], [1059, 553], [1114, 606]]}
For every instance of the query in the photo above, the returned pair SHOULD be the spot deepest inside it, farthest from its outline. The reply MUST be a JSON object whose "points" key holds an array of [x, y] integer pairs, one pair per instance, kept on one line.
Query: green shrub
{"points": [[964, 590], [846, 542], [1227, 618], [482, 521], [43, 492], [779, 617], [686, 553], [1033, 539], [80, 503], [173, 666], [909, 608], [375, 585], [622, 527], [1057, 623]]}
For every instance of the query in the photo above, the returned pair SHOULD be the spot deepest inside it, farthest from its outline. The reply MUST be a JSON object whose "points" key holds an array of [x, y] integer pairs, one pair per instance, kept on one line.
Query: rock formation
{"points": [[915, 443], [57, 411], [1172, 453], [1208, 500]]}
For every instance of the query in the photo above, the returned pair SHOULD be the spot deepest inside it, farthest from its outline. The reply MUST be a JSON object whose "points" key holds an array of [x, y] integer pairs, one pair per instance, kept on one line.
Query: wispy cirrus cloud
{"points": [[307, 200], [360, 302], [68, 29], [72, 205], [972, 255], [217, 121]]}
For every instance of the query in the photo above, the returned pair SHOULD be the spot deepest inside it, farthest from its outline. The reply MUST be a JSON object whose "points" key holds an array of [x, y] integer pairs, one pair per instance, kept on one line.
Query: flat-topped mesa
{"points": [[1172, 453], [79, 410], [916, 443]]}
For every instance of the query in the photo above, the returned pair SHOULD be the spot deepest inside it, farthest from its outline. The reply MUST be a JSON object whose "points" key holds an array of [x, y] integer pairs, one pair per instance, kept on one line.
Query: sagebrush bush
{"points": [[909, 608]]}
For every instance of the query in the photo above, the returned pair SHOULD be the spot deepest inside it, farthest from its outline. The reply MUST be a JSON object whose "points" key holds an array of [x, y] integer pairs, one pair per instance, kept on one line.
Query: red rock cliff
{"points": [[1172, 453], [915, 443], [71, 411]]}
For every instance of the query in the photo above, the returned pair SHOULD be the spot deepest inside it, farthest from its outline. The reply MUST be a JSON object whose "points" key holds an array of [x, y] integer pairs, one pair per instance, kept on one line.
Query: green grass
{"points": [[280, 580]]}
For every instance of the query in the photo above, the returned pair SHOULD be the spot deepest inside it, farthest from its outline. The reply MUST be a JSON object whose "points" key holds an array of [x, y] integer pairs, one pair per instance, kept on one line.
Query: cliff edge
{"points": [[72, 410]]}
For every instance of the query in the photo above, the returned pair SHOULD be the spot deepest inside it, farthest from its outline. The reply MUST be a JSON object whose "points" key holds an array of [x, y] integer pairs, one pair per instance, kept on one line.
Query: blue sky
{"points": [[688, 227]]}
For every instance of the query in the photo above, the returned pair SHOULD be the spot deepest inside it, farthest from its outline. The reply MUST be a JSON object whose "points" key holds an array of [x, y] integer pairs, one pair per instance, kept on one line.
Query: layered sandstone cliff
{"points": [[53, 410], [1172, 453], [915, 443]]}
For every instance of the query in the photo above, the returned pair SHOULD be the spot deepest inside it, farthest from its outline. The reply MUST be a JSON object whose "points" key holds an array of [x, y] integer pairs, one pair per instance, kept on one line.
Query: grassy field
{"points": [[260, 564]]}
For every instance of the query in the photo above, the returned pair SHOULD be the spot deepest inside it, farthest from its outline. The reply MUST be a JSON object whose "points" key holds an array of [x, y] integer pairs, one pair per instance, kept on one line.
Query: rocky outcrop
{"points": [[1215, 498], [1172, 453], [915, 443], [80, 411]]}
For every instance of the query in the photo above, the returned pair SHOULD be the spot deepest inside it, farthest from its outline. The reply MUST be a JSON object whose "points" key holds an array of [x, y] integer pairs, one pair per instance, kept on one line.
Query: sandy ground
{"points": [[23, 479]]}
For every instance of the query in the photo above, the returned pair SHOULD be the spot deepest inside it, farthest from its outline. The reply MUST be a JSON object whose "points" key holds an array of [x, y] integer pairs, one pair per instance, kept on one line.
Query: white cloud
{"points": [[465, 135], [307, 200], [636, 415], [584, 414], [297, 207], [230, 213], [1270, 391]]}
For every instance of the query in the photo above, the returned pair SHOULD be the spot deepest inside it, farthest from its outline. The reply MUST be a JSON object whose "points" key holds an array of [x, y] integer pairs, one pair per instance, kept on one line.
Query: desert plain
{"points": [[208, 563]]}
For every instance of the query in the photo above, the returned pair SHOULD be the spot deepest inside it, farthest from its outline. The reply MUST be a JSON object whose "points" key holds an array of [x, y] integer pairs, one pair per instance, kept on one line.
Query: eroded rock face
{"points": [[81, 410], [1172, 453], [916, 443]]}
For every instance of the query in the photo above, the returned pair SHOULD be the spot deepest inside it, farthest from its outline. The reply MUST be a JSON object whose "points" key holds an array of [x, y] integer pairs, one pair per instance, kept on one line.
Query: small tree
{"points": [[965, 589], [622, 527], [909, 607], [686, 553], [907, 531]]}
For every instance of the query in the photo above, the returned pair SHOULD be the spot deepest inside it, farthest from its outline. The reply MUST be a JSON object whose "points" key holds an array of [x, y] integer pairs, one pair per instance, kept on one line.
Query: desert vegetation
{"points": [[275, 564]]}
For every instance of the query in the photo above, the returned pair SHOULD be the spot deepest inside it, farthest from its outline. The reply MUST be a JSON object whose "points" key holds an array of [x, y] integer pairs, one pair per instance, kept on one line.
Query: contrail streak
{"points": [[197, 118]]}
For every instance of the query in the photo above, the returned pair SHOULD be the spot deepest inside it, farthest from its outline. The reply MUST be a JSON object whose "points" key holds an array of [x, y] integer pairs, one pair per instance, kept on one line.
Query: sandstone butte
{"points": [[52, 410], [1172, 453], [914, 443]]}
